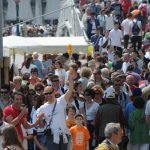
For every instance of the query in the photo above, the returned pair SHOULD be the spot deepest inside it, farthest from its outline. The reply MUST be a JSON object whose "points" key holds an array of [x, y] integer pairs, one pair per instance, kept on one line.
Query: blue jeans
{"points": [[42, 140], [53, 146]]}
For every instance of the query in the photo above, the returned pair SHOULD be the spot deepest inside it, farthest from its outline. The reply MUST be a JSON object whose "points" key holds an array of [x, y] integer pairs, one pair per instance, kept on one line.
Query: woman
{"points": [[91, 108], [39, 137], [60, 72], [85, 74], [104, 42], [11, 141], [99, 93], [139, 136], [34, 77], [75, 101], [28, 66], [135, 66], [78, 87]]}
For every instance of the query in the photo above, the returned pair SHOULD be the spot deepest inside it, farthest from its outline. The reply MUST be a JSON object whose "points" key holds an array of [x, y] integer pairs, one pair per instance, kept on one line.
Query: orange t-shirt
{"points": [[70, 123], [79, 137]]}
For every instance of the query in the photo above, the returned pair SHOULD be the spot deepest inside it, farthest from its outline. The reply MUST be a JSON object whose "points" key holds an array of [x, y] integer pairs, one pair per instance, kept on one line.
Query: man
{"points": [[97, 78], [147, 113], [5, 98], [54, 118], [39, 65], [122, 98], [125, 25], [111, 111], [15, 114], [126, 63], [116, 6], [117, 64], [56, 86], [136, 33], [113, 133], [95, 40], [130, 80], [116, 37]]}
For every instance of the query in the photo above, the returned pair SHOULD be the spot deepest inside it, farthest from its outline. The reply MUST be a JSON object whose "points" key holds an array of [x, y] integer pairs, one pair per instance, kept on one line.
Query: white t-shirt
{"points": [[125, 65], [25, 133], [61, 74], [116, 36], [102, 41], [59, 117], [27, 70], [109, 21], [126, 26], [81, 105], [91, 111], [34, 118], [5, 124]]}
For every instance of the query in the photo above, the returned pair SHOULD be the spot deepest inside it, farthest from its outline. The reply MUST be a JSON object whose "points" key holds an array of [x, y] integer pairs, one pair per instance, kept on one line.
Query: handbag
{"points": [[105, 44], [47, 131]]}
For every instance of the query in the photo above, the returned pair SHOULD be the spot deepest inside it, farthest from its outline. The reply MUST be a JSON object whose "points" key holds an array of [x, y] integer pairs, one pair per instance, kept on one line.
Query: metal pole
{"points": [[1, 40], [1, 29], [17, 18]]}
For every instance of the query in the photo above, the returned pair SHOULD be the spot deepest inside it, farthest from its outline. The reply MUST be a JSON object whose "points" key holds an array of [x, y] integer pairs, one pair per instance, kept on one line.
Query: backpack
{"points": [[135, 28], [144, 10]]}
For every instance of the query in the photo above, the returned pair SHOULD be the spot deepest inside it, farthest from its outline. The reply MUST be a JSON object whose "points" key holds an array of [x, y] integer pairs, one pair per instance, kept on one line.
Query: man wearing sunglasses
{"points": [[5, 98], [54, 117]]}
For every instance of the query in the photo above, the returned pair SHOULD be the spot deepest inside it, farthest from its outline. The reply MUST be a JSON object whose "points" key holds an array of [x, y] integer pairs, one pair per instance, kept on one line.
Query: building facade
{"points": [[31, 10]]}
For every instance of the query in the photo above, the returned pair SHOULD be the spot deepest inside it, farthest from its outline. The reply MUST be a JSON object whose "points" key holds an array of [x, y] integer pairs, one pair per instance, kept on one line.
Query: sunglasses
{"points": [[31, 93], [2, 92], [87, 94], [49, 93], [97, 93]]}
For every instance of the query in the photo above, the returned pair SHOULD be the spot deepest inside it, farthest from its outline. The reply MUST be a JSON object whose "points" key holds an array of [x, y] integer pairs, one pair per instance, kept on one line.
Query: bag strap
{"points": [[52, 115]]}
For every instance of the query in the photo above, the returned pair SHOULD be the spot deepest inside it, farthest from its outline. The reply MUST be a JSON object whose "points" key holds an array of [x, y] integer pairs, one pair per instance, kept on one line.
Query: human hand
{"points": [[24, 110]]}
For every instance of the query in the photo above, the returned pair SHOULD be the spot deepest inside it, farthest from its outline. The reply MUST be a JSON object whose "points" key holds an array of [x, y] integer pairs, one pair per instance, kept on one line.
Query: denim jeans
{"points": [[42, 140], [50, 145]]}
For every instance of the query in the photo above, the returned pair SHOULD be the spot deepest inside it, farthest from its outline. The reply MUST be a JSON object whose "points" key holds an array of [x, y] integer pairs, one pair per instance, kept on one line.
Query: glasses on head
{"points": [[49, 93]]}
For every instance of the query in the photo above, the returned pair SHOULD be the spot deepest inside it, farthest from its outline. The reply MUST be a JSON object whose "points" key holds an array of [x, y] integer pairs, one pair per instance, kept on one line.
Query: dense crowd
{"points": [[76, 102], [31, 30]]}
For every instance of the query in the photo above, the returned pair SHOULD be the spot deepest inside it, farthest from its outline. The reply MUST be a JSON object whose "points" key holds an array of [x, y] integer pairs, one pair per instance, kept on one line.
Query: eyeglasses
{"points": [[55, 80], [38, 89], [49, 93], [31, 94]]}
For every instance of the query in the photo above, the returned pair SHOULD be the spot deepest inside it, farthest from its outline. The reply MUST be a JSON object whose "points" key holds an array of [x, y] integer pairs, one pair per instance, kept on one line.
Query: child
{"points": [[80, 134], [71, 111]]}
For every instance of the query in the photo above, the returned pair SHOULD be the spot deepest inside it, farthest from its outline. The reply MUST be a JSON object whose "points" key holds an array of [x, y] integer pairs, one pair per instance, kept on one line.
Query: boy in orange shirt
{"points": [[80, 134]]}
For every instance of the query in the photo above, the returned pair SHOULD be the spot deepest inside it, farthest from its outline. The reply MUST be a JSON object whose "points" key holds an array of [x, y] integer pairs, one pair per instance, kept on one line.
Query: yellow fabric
{"points": [[103, 146]]}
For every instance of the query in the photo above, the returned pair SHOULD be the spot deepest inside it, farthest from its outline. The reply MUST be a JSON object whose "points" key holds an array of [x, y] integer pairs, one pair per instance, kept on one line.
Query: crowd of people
{"points": [[31, 30], [101, 103]]}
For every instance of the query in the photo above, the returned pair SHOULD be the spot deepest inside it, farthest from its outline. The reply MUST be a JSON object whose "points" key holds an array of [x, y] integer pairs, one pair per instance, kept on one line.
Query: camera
{"points": [[47, 132]]}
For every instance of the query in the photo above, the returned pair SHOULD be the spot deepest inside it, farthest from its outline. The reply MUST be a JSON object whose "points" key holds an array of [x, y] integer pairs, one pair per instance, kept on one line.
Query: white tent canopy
{"points": [[54, 45]]}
